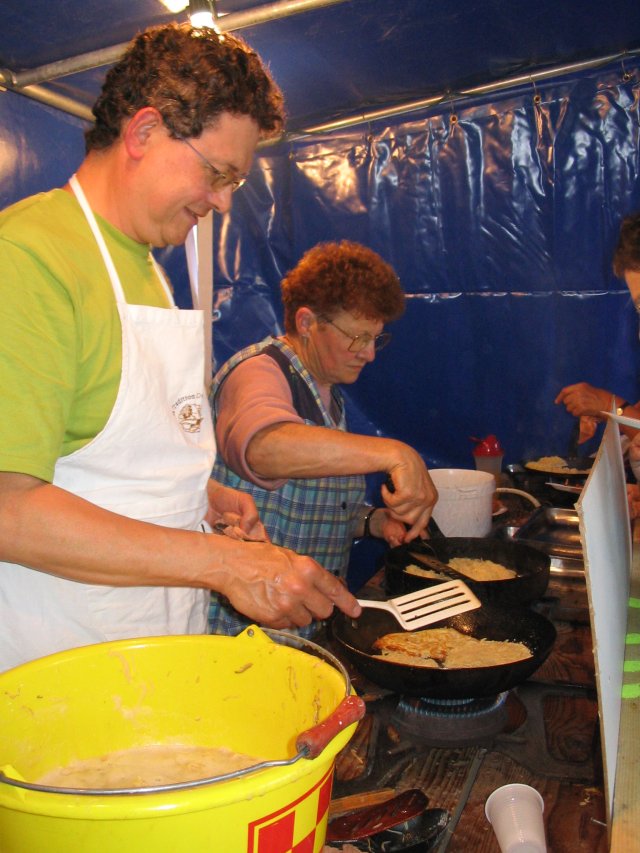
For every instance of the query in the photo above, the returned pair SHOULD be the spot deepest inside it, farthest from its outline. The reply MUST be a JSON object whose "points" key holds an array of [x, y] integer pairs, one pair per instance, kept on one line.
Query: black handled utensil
{"points": [[373, 819]]}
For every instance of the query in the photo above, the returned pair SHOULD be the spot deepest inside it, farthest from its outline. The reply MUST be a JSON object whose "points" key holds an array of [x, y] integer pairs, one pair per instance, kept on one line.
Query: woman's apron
{"points": [[151, 462]]}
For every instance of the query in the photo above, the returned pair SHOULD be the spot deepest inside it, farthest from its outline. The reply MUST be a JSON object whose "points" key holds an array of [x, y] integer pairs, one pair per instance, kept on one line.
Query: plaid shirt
{"points": [[316, 516]]}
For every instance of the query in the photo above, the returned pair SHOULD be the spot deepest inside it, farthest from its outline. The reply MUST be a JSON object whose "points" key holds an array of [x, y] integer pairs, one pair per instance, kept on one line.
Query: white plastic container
{"points": [[465, 499]]}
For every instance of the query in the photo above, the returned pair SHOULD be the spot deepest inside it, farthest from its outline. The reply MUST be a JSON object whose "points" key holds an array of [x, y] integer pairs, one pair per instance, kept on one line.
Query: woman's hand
{"points": [[237, 510], [383, 525], [413, 494]]}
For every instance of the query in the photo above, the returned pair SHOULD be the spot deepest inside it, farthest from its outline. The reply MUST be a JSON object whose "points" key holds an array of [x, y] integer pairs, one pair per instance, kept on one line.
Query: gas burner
{"points": [[451, 722]]}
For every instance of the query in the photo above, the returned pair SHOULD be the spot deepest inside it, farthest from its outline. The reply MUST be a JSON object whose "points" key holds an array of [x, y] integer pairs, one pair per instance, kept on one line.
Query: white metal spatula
{"points": [[426, 606]]}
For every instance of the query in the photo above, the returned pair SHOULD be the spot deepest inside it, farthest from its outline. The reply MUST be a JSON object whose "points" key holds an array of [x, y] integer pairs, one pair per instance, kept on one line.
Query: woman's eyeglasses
{"points": [[218, 180], [359, 342]]}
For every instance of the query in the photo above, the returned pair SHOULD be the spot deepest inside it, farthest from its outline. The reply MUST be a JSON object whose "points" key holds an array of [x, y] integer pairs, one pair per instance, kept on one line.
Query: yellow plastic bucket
{"points": [[252, 694]]}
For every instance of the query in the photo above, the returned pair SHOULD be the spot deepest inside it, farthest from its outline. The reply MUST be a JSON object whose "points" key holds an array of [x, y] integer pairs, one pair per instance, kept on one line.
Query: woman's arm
{"points": [[290, 450]]}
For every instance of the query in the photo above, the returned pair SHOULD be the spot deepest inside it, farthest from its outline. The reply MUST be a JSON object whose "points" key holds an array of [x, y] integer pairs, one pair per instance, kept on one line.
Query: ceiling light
{"points": [[202, 14], [175, 6]]}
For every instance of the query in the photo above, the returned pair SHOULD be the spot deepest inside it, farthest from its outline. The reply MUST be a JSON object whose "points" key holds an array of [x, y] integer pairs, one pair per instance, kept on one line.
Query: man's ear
{"points": [[139, 129]]}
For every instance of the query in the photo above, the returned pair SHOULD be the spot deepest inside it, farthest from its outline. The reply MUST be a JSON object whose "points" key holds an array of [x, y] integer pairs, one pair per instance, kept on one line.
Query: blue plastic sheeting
{"points": [[501, 218], [39, 147]]}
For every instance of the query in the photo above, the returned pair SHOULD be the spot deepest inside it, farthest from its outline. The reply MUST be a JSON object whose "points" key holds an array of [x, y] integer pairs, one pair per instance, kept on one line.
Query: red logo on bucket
{"points": [[291, 829]]}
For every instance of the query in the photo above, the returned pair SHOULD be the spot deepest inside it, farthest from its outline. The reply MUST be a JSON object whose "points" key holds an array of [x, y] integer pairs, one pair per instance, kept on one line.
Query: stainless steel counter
{"points": [[554, 531]]}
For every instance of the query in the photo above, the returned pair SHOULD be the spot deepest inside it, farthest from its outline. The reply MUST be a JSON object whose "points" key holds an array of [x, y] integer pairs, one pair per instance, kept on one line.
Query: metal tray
{"points": [[556, 532]]}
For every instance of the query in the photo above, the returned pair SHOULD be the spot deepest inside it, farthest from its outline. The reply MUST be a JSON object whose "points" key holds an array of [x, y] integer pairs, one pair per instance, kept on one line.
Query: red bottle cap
{"points": [[489, 446]]}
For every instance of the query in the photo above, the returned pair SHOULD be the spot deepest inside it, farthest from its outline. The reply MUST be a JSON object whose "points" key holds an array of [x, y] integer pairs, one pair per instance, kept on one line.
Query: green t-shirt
{"points": [[60, 333]]}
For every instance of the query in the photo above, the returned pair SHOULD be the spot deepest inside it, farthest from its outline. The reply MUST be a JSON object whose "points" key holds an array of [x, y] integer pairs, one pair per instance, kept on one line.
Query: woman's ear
{"points": [[139, 130], [305, 318]]}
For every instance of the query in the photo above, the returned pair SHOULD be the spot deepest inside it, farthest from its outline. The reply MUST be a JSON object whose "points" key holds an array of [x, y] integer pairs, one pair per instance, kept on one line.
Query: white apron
{"points": [[151, 462]]}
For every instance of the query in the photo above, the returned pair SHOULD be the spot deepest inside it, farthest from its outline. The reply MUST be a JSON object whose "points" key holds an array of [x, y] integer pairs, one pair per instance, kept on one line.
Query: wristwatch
{"points": [[367, 521]]}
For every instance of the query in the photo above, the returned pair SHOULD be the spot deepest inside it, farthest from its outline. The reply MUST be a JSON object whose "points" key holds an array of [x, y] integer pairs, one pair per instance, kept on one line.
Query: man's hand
{"points": [[279, 588]]}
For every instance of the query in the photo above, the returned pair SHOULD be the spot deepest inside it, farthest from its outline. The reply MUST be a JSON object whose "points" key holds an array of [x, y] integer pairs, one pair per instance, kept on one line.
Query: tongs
{"points": [[426, 606]]}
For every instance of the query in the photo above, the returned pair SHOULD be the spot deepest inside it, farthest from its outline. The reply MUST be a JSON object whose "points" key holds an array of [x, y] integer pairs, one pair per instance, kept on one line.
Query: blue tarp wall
{"points": [[500, 218]]}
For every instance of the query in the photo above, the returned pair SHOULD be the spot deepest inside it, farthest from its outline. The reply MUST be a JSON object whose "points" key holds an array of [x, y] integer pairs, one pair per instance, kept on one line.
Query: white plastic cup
{"points": [[515, 813], [465, 501]]}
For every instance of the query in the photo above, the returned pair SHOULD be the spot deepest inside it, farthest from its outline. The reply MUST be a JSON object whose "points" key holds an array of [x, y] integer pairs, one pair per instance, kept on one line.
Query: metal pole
{"points": [[270, 12], [17, 81], [53, 99], [453, 97], [108, 55]]}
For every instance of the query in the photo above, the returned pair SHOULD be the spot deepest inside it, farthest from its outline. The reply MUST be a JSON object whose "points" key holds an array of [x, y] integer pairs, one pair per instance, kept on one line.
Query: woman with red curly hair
{"points": [[280, 421]]}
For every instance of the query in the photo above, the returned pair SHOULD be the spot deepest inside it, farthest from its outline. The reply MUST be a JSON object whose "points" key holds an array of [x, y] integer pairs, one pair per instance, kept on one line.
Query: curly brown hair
{"points": [[342, 276], [627, 253], [190, 76]]}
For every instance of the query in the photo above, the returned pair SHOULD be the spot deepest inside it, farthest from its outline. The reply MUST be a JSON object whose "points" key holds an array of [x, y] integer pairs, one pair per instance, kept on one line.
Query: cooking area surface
{"points": [[543, 732]]}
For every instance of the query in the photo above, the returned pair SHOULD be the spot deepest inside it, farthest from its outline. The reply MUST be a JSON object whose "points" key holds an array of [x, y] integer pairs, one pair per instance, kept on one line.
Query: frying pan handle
{"points": [[433, 530], [314, 740]]}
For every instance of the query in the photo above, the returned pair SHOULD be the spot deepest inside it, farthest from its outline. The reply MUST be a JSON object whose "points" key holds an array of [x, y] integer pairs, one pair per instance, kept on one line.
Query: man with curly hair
{"points": [[280, 421], [106, 440]]}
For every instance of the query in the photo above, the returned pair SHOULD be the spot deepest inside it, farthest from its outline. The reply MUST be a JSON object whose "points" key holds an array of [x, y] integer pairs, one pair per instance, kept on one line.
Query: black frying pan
{"points": [[531, 565], [582, 464], [356, 638]]}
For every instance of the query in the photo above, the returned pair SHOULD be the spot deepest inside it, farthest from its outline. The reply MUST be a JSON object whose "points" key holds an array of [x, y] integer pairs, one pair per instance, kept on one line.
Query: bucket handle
{"points": [[312, 741], [508, 491]]}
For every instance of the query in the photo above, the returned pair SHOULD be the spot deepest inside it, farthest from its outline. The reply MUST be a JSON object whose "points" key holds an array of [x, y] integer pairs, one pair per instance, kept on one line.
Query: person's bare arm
{"points": [[583, 399], [382, 525], [263, 439], [290, 450], [51, 530]]}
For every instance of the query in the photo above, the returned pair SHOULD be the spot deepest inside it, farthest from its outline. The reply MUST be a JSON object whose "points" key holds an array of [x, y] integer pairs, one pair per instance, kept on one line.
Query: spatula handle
{"points": [[379, 605]]}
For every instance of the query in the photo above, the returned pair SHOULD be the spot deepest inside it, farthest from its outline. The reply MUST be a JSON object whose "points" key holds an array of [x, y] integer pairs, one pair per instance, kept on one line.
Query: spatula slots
{"points": [[426, 606]]}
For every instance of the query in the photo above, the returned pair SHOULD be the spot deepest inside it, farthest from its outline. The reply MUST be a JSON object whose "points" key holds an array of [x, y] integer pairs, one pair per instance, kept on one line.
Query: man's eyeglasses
{"points": [[359, 342], [218, 180]]}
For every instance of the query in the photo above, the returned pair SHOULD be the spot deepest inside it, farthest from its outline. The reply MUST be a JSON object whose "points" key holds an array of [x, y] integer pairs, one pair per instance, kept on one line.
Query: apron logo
{"points": [[188, 412]]}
